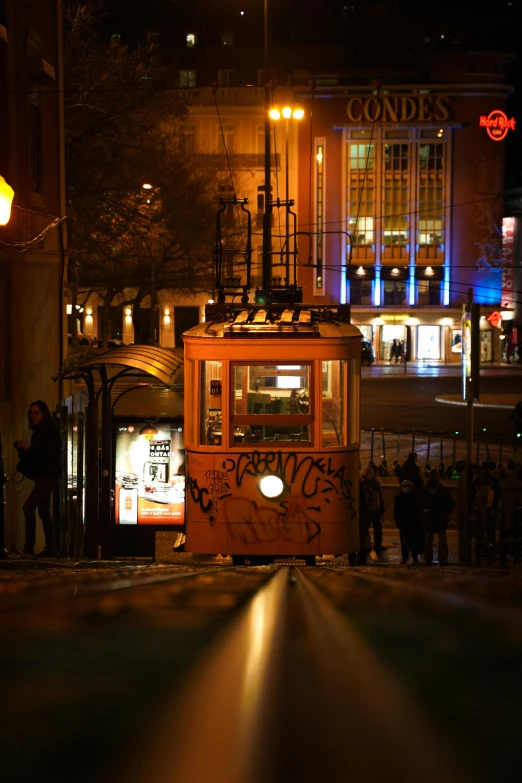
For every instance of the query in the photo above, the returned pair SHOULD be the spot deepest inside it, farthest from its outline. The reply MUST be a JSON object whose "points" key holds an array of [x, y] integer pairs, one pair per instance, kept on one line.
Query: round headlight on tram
{"points": [[271, 486]]}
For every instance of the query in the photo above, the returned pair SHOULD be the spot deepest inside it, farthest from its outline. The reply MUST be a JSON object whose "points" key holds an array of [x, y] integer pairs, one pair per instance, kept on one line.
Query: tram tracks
{"points": [[20, 595], [291, 692], [247, 675]]}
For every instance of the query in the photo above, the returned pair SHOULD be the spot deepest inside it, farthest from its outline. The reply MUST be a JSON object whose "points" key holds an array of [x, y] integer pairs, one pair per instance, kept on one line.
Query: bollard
{"points": [[516, 532], [490, 534], [478, 537]]}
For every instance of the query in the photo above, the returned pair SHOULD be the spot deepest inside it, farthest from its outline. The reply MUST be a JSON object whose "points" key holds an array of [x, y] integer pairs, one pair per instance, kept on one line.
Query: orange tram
{"points": [[272, 432]]}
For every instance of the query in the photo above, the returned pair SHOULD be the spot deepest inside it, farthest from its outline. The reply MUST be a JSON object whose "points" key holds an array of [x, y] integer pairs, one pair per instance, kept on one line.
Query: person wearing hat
{"points": [[408, 518], [436, 506], [410, 471]]}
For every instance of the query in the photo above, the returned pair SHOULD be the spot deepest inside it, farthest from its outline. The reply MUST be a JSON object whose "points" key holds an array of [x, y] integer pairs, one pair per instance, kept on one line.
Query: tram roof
{"points": [[273, 321]]}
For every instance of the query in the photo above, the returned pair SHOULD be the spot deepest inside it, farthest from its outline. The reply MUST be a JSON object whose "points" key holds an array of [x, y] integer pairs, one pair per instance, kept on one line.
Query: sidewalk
{"points": [[15, 568], [385, 369]]}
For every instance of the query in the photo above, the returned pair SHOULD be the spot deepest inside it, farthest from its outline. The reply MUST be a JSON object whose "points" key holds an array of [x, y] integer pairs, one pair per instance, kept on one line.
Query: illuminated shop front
{"points": [[406, 203]]}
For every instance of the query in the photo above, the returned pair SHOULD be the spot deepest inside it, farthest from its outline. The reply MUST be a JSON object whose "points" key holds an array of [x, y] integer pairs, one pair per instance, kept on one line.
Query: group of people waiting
{"points": [[421, 511]]}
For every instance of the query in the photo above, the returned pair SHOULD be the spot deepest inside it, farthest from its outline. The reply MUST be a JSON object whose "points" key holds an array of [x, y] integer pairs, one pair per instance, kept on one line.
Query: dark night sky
{"points": [[395, 29]]}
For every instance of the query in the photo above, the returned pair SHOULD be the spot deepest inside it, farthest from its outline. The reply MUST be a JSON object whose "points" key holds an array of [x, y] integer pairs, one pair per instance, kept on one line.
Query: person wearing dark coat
{"points": [[410, 471], [436, 506], [364, 528], [374, 507], [44, 455], [408, 518]]}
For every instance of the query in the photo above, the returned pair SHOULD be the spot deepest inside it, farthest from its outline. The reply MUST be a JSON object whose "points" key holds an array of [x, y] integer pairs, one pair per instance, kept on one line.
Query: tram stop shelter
{"points": [[108, 376]]}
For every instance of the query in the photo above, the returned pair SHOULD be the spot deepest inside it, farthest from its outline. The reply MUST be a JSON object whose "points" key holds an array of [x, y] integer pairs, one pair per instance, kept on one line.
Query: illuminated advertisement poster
{"points": [[150, 474], [470, 351], [466, 351], [508, 255]]}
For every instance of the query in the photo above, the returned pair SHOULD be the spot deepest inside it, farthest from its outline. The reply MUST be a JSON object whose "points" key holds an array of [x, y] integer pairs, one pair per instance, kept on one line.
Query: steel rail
{"points": [[75, 591], [290, 692], [490, 611]]}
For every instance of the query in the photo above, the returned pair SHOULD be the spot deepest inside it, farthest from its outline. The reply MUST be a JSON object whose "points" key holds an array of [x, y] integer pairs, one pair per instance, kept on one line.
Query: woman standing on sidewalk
{"points": [[45, 457]]}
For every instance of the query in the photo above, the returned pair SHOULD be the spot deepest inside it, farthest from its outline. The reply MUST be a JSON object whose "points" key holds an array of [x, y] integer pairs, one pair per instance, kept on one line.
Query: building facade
{"points": [[33, 242], [397, 170], [407, 204]]}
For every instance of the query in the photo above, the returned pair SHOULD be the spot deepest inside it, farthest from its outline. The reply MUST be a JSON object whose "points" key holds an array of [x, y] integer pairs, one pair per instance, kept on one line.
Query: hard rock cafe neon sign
{"points": [[497, 124]]}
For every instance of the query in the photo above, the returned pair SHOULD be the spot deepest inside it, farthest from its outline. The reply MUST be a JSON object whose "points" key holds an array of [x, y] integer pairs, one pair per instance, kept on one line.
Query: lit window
{"points": [[396, 194], [430, 211], [271, 403], [187, 78], [226, 139], [191, 39]]}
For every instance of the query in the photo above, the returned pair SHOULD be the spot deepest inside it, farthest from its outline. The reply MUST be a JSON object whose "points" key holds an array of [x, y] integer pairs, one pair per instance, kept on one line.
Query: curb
{"points": [[476, 404]]}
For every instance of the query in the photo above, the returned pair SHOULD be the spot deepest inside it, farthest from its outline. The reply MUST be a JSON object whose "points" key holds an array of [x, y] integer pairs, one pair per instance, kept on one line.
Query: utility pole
{"points": [[470, 393]]}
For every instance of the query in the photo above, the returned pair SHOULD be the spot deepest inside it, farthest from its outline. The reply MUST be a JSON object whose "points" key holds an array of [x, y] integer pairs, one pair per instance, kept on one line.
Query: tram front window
{"points": [[271, 403]]}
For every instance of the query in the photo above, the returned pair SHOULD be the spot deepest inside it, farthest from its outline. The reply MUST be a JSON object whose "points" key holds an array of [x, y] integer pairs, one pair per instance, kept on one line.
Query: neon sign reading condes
{"points": [[497, 124]]}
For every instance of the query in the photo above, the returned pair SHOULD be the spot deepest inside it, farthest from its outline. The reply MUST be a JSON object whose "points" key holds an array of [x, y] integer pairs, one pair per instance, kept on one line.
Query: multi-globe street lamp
{"points": [[287, 113]]}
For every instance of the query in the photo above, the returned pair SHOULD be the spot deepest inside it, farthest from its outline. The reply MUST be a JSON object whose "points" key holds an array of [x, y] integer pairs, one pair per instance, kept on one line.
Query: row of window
{"points": [[277, 403], [395, 292], [224, 139], [394, 201], [226, 77], [395, 194]]}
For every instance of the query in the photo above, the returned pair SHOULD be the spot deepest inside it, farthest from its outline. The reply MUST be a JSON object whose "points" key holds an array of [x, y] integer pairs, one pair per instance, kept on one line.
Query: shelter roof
{"points": [[127, 367]]}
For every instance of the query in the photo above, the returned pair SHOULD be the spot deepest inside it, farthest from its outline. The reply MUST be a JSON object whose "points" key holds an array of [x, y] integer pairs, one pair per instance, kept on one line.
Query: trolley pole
{"points": [[267, 215], [3, 481]]}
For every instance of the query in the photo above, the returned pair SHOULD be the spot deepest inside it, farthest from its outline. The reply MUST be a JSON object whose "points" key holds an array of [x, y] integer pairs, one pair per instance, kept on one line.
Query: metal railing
{"points": [[439, 450], [496, 535]]}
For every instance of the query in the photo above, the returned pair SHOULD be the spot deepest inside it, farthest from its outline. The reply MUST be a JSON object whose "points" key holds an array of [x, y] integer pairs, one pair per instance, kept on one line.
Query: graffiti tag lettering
{"points": [[198, 494]]}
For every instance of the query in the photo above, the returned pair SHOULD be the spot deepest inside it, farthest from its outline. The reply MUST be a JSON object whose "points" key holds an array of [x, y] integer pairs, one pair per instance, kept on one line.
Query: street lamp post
{"points": [[147, 187], [297, 114]]}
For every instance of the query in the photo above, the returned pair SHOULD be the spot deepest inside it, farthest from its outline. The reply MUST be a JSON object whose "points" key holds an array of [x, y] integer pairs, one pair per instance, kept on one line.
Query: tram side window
{"points": [[333, 402], [354, 400], [271, 403], [211, 419]]}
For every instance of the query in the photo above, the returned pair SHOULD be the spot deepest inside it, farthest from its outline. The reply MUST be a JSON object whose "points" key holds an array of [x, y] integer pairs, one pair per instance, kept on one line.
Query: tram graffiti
{"points": [[314, 484], [272, 430], [306, 474], [290, 521]]}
